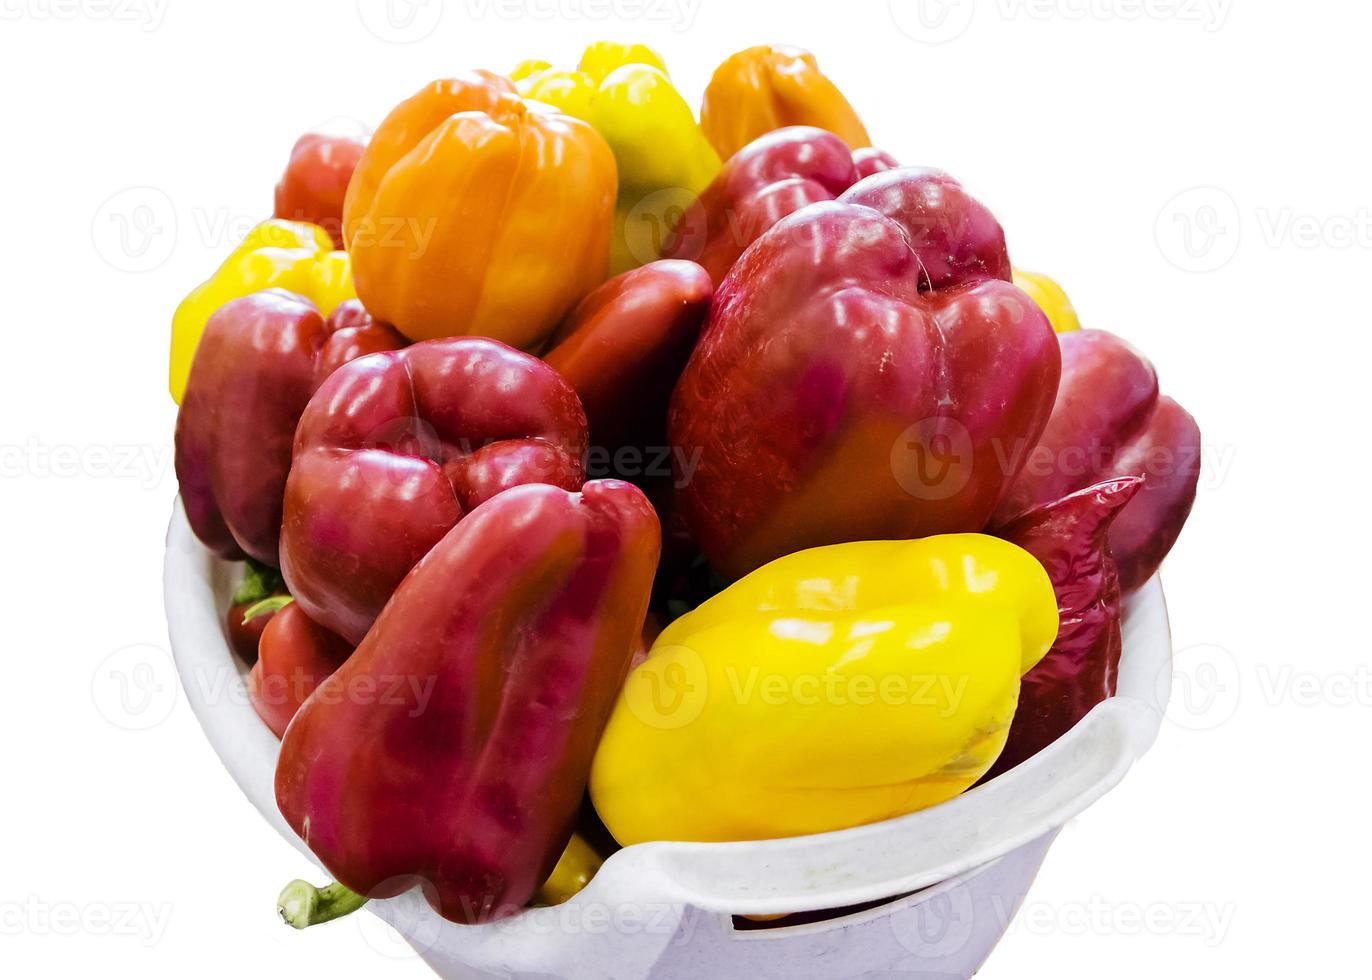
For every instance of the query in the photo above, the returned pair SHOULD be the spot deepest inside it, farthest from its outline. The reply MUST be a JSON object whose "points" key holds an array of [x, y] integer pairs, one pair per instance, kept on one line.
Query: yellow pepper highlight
{"points": [[663, 157], [293, 255], [830, 688], [574, 870], [1051, 298]]}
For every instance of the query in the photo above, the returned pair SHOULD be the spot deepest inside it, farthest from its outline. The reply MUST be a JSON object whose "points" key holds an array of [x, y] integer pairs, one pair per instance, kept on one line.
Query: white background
{"points": [[1101, 131]]}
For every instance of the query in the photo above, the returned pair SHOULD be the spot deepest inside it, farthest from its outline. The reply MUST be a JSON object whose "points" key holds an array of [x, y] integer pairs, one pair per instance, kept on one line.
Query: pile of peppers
{"points": [[606, 471]]}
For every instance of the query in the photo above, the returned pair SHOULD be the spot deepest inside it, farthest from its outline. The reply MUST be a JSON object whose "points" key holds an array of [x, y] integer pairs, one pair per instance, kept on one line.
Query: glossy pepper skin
{"points": [[662, 157], [395, 448], [764, 88], [473, 213], [1069, 538], [773, 176], [295, 656], [833, 687], [519, 624], [279, 254], [864, 373], [316, 180], [257, 365], [1109, 421], [623, 348]]}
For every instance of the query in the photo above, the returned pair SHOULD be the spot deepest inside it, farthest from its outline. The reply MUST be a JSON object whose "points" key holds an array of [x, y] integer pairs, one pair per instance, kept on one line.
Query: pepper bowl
{"points": [[926, 895]]}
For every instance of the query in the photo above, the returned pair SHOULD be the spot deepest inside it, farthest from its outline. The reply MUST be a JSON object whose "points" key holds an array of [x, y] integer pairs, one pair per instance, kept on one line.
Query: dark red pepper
{"points": [[624, 345], [1109, 421], [396, 447], [1070, 538], [773, 176], [502, 652], [863, 366], [252, 375]]}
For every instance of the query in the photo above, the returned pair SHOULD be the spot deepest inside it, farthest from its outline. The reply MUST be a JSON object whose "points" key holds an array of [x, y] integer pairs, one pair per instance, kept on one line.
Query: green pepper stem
{"points": [[302, 905], [268, 605], [259, 581]]}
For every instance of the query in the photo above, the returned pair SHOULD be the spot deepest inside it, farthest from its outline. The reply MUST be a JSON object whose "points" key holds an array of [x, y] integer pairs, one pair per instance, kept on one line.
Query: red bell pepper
{"points": [[518, 628], [861, 366], [624, 346], [1069, 537], [295, 656], [395, 448], [252, 376], [773, 176], [1109, 421], [316, 180]]}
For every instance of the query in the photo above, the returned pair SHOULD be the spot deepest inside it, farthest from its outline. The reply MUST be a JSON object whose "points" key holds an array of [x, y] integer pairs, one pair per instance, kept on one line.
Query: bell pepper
{"points": [[285, 254], [316, 180], [517, 627], [1068, 537], [254, 371], [773, 176], [1051, 298], [1109, 422], [862, 368], [834, 687], [259, 582], [764, 88], [295, 656], [662, 157], [394, 449], [624, 346], [474, 213]]}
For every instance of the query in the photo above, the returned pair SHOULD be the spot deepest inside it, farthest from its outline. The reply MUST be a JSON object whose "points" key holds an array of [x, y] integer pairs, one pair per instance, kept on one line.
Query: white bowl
{"points": [[666, 910]]}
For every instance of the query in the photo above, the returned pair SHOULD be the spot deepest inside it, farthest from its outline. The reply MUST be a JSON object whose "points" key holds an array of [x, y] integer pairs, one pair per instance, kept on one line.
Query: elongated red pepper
{"points": [[773, 176], [862, 364], [1070, 538], [624, 346], [395, 448], [502, 654], [295, 656], [1110, 421], [254, 371]]}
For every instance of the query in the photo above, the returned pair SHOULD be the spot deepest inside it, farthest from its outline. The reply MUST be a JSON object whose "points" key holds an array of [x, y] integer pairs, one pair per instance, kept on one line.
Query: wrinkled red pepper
{"points": [[295, 656], [395, 448], [1109, 421], [502, 654], [773, 176], [861, 366], [1069, 537], [624, 345], [316, 180], [253, 373]]}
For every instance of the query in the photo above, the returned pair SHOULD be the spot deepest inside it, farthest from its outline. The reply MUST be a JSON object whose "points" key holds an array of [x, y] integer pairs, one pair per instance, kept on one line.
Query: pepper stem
{"points": [[302, 905], [268, 605]]}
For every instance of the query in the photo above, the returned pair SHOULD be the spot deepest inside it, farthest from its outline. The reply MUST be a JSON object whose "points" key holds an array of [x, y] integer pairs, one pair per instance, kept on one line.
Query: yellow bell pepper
{"points": [[830, 688], [663, 157], [293, 255], [1051, 298], [574, 870]]}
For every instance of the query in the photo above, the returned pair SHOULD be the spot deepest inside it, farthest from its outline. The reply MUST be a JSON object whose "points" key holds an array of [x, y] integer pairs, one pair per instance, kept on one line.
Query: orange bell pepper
{"points": [[764, 88], [473, 212]]}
